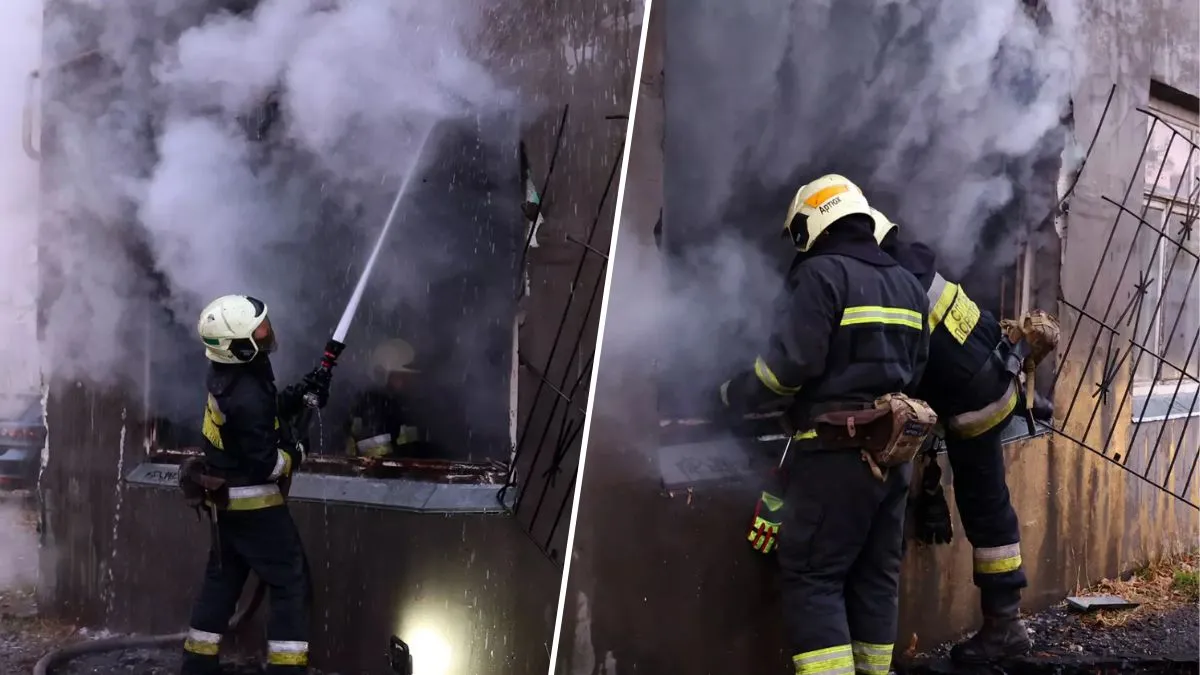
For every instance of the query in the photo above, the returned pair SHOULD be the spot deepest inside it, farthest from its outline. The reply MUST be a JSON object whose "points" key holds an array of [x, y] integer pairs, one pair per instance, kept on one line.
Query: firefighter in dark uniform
{"points": [[851, 333], [248, 452], [382, 420], [969, 384]]}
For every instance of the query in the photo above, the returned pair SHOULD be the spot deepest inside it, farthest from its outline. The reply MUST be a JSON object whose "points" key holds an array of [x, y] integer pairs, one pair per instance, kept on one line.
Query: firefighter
{"points": [[248, 452], [382, 419], [850, 334], [968, 384]]}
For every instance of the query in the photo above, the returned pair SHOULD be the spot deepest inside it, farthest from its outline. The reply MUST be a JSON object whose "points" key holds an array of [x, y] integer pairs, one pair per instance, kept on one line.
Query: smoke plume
{"points": [[19, 54], [941, 111], [202, 148]]}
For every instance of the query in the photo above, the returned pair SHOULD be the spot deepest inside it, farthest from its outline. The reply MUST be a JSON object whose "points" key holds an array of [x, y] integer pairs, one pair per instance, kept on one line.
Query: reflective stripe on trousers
{"points": [[253, 497], [997, 559], [977, 422], [871, 658], [837, 660], [287, 653], [202, 643]]}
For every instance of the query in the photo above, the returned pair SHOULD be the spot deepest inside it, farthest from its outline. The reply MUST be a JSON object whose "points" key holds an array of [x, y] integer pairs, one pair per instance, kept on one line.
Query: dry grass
{"points": [[1157, 586]]}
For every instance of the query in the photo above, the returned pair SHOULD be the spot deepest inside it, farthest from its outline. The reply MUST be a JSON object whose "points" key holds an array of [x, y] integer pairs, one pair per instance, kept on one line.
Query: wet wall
{"points": [[129, 558], [664, 582]]}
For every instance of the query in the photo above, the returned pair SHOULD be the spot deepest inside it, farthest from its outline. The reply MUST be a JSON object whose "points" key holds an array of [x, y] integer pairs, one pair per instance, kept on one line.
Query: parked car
{"points": [[21, 441]]}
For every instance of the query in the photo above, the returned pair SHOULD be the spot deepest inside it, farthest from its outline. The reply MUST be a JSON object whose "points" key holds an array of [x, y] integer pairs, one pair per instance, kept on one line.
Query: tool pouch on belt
{"points": [[889, 433], [198, 485]]}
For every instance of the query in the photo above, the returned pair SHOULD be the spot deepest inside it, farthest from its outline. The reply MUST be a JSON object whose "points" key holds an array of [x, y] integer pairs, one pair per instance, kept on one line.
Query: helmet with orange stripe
{"points": [[820, 204]]}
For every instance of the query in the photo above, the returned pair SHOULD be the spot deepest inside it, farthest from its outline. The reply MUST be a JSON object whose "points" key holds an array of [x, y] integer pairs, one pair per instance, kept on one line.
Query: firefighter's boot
{"points": [[1003, 635]]}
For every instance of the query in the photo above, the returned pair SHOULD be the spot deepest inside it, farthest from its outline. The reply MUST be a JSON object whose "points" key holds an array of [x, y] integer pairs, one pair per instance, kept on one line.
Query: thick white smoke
{"points": [[940, 111], [156, 145], [19, 55]]}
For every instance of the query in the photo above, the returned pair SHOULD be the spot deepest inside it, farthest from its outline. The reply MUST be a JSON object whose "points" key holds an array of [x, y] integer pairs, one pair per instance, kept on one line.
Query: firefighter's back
{"points": [[877, 347]]}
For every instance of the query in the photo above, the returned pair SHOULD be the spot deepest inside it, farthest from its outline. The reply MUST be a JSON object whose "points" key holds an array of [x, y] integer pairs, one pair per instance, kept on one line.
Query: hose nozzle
{"points": [[333, 349]]}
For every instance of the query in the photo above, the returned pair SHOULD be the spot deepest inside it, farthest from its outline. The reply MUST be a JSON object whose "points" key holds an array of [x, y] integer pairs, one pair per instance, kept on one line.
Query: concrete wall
{"points": [[664, 583], [129, 558], [19, 56]]}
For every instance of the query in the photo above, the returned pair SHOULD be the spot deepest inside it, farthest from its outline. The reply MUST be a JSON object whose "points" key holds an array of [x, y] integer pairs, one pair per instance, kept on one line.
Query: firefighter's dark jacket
{"points": [[964, 373], [848, 328], [244, 440]]}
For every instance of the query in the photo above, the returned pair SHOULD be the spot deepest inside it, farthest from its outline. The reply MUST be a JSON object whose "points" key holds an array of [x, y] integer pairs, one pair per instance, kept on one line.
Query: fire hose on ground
{"points": [[61, 655], [333, 348]]}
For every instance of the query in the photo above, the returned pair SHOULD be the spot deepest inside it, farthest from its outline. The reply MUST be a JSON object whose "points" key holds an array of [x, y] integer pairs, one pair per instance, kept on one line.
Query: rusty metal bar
{"points": [[537, 212]]}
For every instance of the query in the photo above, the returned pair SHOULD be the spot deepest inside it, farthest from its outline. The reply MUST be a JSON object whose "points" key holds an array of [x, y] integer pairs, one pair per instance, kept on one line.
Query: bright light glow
{"points": [[431, 652]]}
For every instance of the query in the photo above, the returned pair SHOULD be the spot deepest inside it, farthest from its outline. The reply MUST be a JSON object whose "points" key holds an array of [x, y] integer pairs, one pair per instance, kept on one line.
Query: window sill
{"points": [[403, 494], [726, 459], [1164, 403]]}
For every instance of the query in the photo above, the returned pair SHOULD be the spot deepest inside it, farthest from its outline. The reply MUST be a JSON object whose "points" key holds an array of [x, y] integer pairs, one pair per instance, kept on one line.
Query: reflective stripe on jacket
{"points": [[849, 328], [962, 381]]}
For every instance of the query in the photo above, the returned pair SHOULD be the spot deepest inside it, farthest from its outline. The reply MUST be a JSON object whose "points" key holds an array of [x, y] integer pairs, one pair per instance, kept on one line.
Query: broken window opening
{"points": [[446, 285]]}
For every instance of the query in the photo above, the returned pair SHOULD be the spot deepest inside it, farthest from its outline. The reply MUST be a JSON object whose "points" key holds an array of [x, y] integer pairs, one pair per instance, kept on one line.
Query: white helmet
{"points": [[883, 226], [393, 356], [818, 205], [227, 328]]}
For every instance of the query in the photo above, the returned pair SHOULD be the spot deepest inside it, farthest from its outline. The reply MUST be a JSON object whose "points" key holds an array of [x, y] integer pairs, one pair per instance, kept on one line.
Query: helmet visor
{"points": [[264, 337]]}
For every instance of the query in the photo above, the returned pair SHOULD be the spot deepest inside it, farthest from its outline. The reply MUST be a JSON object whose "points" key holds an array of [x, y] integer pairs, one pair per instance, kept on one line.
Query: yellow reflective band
{"points": [[804, 435], [276, 423], [997, 559], [895, 316], [213, 419], [375, 446], [287, 659], [408, 434], [254, 497], [830, 661], [875, 659], [201, 648], [287, 653], [283, 465], [948, 302], [767, 377], [202, 642], [978, 422], [772, 502]]}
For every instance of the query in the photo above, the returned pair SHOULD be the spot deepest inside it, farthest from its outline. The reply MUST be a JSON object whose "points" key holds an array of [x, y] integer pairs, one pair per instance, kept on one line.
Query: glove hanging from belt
{"points": [[201, 489], [768, 512], [931, 513]]}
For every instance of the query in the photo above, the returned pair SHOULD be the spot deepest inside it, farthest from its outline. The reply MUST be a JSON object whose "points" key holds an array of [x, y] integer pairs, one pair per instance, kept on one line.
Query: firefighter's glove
{"points": [[189, 484], [316, 382], [931, 514], [764, 531]]}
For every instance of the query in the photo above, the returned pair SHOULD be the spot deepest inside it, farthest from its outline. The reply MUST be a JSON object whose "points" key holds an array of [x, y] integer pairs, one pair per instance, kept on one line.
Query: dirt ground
{"points": [[1162, 634]]}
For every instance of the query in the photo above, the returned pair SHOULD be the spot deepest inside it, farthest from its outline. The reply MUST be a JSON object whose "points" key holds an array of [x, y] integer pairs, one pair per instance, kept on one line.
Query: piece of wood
{"points": [[1091, 603]]}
